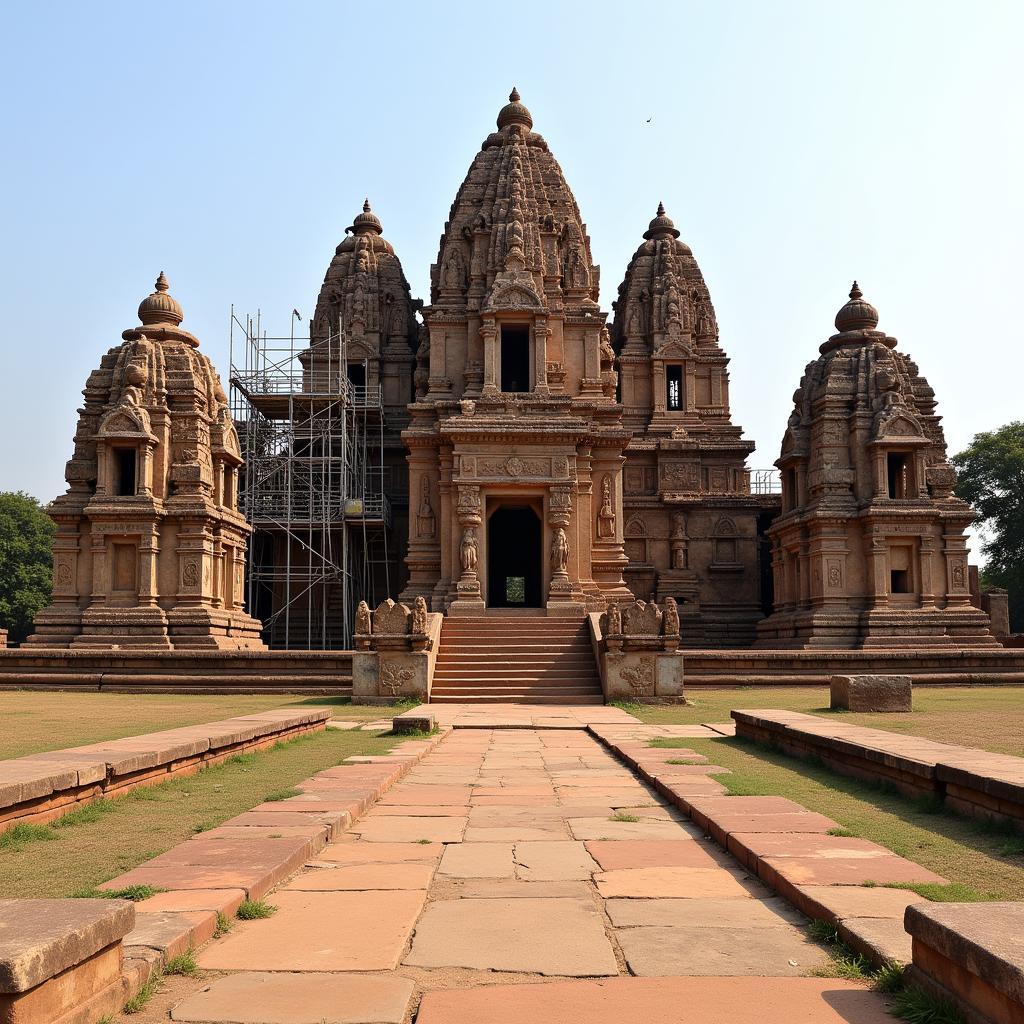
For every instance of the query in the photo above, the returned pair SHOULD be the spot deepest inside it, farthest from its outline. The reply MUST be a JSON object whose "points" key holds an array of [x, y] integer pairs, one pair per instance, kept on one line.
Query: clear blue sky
{"points": [[796, 145]]}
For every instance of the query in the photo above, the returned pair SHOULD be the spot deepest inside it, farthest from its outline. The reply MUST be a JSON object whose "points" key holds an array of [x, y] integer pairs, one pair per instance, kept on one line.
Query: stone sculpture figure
{"points": [[670, 617], [614, 619], [606, 515], [419, 615], [467, 550], [559, 552], [363, 618], [426, 522]]}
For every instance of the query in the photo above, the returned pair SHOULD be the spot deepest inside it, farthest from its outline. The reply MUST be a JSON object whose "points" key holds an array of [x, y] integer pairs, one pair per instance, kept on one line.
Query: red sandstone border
{"points": [[44, 786]]}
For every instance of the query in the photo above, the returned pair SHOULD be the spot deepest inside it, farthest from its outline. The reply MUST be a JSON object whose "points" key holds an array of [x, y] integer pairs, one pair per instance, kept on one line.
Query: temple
{"points": [[507, 448], [150, 548]]}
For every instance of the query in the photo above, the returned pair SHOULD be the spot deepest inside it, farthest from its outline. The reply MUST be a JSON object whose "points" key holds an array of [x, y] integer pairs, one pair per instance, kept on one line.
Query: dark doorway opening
{"points": [[125, 461], [515, 358], [514, 558], [356, 374], [674, 387]]}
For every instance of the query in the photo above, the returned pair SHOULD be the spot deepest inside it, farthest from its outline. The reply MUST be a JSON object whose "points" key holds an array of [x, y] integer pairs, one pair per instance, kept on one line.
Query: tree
{"points": [[991, 479], [26, 561]]}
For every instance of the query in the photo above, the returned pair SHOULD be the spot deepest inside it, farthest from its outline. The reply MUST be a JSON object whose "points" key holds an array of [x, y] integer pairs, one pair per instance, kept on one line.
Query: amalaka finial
{"points": [[661, 226], [366, 222]]}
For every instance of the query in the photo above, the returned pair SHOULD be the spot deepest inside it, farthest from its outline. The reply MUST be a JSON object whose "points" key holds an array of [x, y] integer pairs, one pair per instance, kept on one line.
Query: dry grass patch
{"points": [[146, 821], [986, 717], [38, 720]]}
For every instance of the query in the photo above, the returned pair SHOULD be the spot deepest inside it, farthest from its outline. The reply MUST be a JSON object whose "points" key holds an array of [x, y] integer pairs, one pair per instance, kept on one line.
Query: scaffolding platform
{"points": [[312, 436]]}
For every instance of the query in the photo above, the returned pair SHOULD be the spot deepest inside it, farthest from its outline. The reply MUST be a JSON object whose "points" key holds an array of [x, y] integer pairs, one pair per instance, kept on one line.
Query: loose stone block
{"points": [[871, 693], [419, 722]]}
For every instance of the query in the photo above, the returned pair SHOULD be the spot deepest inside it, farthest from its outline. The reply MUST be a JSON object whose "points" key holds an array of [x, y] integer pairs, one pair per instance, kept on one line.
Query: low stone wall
{"points": [[310, 672], [78, 961], [970, 781], [971, 954], [41, 787]]}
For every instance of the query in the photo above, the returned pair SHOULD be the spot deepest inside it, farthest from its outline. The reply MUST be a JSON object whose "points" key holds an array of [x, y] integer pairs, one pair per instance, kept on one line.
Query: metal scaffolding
{"points": [[312, 436]]}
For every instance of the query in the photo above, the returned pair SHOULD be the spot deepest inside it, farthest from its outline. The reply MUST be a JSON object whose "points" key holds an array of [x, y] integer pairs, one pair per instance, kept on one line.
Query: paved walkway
{"points": [[531, 859]]}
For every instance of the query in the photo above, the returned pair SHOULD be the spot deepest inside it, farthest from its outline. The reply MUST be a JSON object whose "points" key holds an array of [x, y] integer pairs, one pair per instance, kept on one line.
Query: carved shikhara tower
{"points": [[516, 439], [691, 524], [869, 550], [150, 546]]}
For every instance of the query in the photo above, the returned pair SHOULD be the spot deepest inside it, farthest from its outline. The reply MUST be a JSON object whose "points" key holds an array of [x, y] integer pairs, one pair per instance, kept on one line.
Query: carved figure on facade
{"points": [[606, 513], [426, 522], [468, 550], [559, 552]]}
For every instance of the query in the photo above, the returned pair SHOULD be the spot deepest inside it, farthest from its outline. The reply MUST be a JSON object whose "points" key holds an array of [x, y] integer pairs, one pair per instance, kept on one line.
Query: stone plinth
{"points": [[871, 693], [973, 955], [637, 642], [61, 959], [414, 721], [396, 648]]}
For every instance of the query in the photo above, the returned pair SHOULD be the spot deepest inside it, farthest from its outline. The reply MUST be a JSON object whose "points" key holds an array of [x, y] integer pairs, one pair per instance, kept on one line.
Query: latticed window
{"points": [[674, 379]]}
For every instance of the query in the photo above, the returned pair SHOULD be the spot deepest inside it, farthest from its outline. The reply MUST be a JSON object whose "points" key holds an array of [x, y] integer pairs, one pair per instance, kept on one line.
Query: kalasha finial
{"points": [[514, 113], [160, 307], [366, 222], [661, 208], [661, 226], [366, 205], [858, 314]]}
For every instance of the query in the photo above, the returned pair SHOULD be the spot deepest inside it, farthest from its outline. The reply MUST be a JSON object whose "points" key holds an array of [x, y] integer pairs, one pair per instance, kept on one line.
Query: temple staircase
{"points": [[515, 659]]}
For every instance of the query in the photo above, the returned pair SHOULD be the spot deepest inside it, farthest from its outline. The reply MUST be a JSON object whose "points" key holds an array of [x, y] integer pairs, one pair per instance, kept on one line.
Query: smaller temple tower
{"points": [[692, 527], [870, 547], [150, 545]]}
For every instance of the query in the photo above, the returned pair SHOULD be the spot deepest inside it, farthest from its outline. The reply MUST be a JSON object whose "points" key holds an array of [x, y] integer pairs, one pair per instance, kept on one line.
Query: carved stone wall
{"points": [[150, 545]]}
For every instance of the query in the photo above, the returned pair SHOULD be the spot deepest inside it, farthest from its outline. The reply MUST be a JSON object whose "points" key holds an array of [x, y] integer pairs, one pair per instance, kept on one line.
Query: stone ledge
{"points": [[41, 787], [984, 940], [973, 782], [40, 939]]}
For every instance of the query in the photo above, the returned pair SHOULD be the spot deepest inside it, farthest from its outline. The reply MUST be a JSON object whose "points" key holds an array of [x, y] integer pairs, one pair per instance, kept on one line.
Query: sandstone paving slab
{"points": [[307, 998], [224, 901], [172, 933], [356, 877], [427, 794], [508, 888], [411, 829], [478, 860], [517, 833], [676, 882], [272, 819], [553, 861], [605, 828], [321, 931], [255, 881], [653, 853], [789, 844], [419, 811], [815, 870], [784, 951], [723, 823], [562, 937], [880, 939], [703, 912], [741, 1000], [839, 902], [379, 853]]}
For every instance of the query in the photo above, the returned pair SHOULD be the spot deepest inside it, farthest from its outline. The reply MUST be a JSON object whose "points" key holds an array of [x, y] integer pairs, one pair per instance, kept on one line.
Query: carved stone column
{"points": [[468, 599], [489, 333], [540, 357]]}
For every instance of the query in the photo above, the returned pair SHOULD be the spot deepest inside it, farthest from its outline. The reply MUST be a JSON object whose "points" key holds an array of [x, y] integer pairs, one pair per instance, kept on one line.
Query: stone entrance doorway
{"points": [[514, 557]]}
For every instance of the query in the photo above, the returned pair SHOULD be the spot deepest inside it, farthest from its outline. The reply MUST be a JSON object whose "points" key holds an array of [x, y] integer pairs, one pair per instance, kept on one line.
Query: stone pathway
{"points": [[523, 857]]}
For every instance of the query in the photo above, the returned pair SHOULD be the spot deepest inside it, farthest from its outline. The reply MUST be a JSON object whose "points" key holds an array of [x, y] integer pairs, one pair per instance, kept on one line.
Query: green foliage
{"points": [[223, 925], [26, 562], [253, 910], [991, 479], [183, 963], [18, 835], [138, 1002], [890, 977], [281, 794], [623, 816], [135, 893], [916, 1006], [952, 892]]}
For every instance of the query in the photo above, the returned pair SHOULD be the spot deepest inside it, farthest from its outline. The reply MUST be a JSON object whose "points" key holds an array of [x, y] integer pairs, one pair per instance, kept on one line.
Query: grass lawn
{"points": [[109, 837], [987, 864], [989, 717], [37, 720]]}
